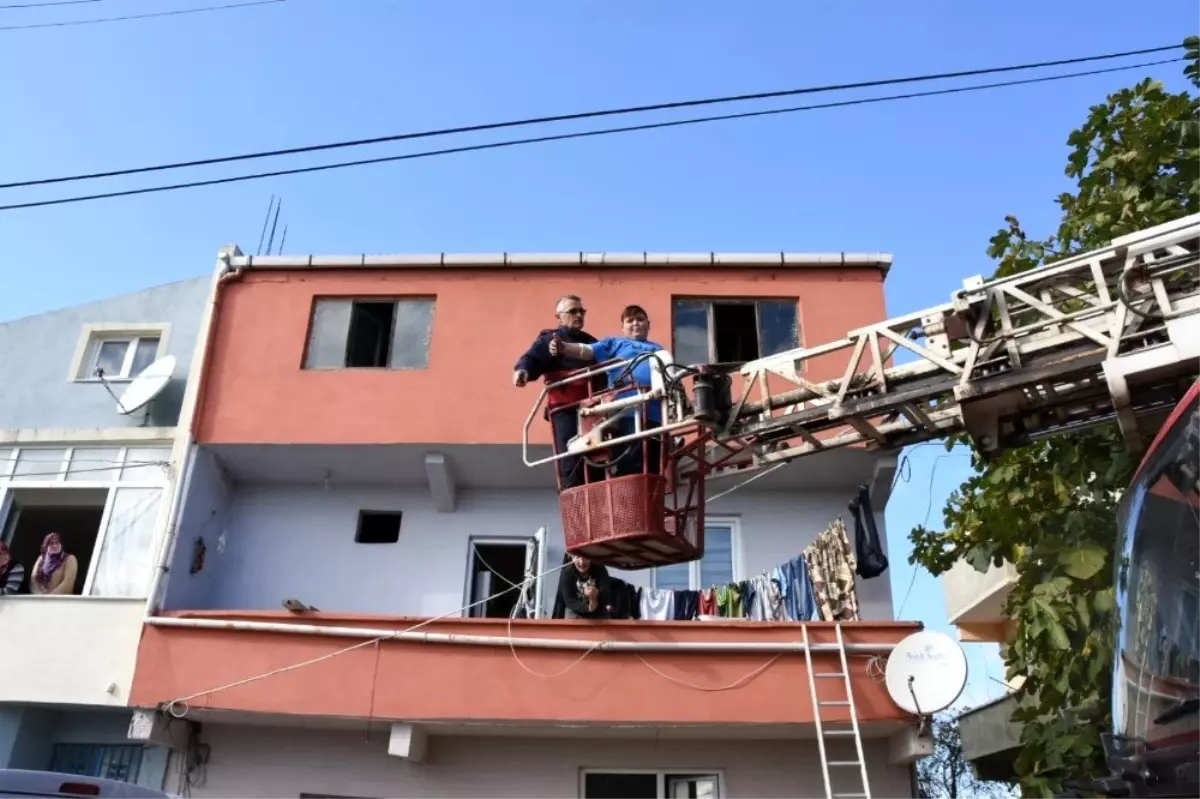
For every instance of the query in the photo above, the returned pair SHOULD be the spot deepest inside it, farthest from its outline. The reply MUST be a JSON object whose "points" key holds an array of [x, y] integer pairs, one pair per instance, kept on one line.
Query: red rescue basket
{"points": [[638, 504]]}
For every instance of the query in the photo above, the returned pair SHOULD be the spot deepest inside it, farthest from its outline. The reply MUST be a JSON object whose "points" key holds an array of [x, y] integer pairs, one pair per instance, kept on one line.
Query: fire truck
{"points": [[1110, 335]]}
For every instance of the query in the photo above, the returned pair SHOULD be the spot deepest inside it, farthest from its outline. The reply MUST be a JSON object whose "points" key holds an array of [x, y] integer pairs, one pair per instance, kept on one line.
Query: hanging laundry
{"points": [[868, 549], [831, 566], [657, 604], [686, 604], [797, 590], [708, 602], [729, 601], [766, 603]]}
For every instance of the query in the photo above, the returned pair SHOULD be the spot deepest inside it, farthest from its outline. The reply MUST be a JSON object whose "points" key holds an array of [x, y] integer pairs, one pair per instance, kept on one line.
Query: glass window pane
{"points": [[145, 354], [39, 464], [676, 577], [94, 463], [778, 326], [6, 462], [145, 464], [690, 333], [327, 339], [412, 332], [716, 567], [111, 358], [124, 566]]}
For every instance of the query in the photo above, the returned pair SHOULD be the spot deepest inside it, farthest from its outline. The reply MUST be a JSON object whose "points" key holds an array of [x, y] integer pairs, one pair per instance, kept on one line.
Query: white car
{"points": [[19, 783]]}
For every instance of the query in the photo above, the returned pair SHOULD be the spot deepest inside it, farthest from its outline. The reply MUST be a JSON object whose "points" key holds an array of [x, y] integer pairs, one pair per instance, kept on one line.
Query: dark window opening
{"points": [[732, 331], [620, 786], [735, 332], [73, 513], [368, 343], [378, 527], [108, 762], [496, 569]]}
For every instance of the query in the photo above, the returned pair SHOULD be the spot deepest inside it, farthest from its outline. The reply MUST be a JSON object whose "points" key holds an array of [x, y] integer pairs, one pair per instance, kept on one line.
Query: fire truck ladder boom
{"points": [[1111, 333]]}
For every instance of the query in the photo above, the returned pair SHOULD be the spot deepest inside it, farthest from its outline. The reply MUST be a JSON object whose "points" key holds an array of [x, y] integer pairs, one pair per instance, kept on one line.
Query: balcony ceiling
{"points": [[485, 466]]}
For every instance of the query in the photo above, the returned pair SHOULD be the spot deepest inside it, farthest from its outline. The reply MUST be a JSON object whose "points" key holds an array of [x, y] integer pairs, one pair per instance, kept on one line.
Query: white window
{"points": [[718, 567], [119, 352], [370, 333], [641, 784], [733, 330], [104, 502]]}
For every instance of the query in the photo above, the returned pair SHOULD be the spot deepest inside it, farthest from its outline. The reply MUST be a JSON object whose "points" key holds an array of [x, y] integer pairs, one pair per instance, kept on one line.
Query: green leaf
{"points": [[1083, 563], [1104, 601]]}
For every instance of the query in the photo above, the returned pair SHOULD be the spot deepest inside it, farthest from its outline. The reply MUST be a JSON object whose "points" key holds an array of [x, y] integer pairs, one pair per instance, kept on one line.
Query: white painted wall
{"points": [[298, 542], [273, 762], [68, 650]]}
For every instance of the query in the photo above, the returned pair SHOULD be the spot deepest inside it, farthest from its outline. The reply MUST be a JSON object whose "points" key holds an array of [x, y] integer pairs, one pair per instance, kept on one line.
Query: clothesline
{"points": [[816, 585]]}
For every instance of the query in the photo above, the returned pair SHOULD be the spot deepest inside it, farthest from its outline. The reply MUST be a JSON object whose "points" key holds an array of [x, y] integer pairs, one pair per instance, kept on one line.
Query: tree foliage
{"points": [[1050, 508], [947, 774]]}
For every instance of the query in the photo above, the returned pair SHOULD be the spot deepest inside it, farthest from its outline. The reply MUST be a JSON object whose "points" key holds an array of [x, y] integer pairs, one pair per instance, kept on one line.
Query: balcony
{"points": [[991, 740], [484, 671], [975, 601]]}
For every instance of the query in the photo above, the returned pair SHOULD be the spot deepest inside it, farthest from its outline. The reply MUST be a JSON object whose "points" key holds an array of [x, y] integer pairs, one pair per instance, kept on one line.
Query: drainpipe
{"points": [[505, 640], [182, 450]]}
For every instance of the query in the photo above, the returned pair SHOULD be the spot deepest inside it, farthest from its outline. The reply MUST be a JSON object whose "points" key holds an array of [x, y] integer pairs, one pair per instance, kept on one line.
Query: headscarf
{"points": [[7, 564], [49, 564]]}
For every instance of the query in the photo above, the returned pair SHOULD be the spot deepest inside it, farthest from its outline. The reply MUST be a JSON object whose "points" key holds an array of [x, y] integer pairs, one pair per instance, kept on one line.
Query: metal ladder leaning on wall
{"points": [[841, 732]]}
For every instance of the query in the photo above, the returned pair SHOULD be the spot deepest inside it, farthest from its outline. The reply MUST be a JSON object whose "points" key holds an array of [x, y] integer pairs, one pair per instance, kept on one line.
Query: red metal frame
{"points": [[653, 517]]}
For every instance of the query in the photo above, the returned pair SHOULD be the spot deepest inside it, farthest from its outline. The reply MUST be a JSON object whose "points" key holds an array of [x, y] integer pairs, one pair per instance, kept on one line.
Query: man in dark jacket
{"points": [[585, 590], [538, 362]]}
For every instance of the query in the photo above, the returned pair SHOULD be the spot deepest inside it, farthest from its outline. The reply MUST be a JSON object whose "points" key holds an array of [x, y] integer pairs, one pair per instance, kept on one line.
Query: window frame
{"points": [[710, 301], [395, 300], [735, 554], [87, 349], [660, 773], [111, 479]]}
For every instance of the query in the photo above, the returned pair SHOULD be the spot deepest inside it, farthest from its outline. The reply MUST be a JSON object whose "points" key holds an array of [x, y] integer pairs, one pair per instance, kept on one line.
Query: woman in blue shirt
{"points": [[635, 324]]}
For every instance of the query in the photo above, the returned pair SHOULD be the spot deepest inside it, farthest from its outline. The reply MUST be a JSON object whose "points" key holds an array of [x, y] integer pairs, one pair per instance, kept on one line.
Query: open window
{"points": [[497, 571], [104, 503], [370, 333], [730, 330], [635, 784]]}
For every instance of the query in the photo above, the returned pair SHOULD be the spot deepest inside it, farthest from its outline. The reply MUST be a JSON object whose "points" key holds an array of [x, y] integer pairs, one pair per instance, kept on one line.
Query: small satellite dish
{"points": [[926, 673], [146, 386]]}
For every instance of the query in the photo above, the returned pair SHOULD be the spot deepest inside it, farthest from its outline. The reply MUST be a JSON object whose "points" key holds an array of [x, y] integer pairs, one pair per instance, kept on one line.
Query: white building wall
{"points": [[275, 762], [298, 542]]}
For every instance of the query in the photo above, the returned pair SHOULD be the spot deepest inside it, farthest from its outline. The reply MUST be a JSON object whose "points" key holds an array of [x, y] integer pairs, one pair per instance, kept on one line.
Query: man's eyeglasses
{"points": [[573, 311]]}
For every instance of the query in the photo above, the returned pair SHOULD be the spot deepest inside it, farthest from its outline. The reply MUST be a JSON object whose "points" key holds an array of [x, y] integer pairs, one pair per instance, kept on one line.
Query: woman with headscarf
{"points": [[11, 572], [55, 570]]}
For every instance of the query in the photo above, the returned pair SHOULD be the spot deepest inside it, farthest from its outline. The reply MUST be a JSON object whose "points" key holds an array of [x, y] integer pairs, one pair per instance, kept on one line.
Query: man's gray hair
{"points": [[562, 301]]}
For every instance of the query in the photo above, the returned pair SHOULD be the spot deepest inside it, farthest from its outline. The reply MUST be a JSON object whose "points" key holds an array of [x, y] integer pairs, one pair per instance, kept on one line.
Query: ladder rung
{"points": [[839, 732], [839, 702], [850, 795], [844, 763], [830, 674]]}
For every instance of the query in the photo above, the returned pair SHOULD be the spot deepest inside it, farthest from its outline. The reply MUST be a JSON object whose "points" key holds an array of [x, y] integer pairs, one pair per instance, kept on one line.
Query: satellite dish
{"points": [[926, 673], [146, 386]]}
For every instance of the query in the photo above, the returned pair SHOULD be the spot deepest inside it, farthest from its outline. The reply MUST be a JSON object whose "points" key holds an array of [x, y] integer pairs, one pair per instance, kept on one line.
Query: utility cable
{"points": [[129, 17], [544, 139], [48, 4], [588, 115]]}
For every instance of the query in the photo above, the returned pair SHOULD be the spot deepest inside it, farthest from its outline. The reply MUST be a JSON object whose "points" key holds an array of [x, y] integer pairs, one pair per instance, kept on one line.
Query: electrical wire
{"points": [[678, 104], [48, 4], [556, 137], [129, 17]]}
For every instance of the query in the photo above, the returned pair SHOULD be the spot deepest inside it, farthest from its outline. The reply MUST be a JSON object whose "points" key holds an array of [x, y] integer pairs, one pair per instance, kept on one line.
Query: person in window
{"points": [[635, 325], [11, 572], [540, 361], [55, 570], [585, 590]]}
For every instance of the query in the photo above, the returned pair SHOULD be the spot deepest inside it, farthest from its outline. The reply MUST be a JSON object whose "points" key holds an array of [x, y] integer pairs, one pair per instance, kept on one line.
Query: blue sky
{"points": [[928, 180]]}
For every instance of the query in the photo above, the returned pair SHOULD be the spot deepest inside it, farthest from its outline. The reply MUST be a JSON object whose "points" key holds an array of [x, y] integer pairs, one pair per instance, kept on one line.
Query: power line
{"points": [[564, 137], [581, 115], [46, 5], [128, 17]]}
